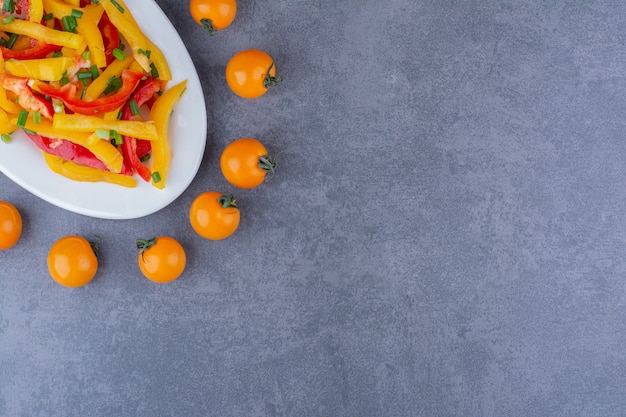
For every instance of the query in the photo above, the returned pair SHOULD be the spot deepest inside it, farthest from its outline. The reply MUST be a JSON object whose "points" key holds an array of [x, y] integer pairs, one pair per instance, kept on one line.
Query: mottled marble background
{"points": [[445, 236]]}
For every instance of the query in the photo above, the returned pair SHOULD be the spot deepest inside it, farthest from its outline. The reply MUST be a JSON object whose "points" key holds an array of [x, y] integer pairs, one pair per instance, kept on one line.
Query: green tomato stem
{"points": [[271, 81]]}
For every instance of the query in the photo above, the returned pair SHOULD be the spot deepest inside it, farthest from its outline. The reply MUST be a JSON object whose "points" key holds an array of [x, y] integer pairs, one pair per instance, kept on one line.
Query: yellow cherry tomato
{"points": [[10, 225], [72, 261], [214, 216], [245, 163], [161, 259], [250, 73], [213, 15]]}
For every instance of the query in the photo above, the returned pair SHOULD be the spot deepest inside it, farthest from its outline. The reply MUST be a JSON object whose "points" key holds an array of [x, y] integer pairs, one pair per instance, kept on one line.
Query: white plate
{"points": [[22, 161]]}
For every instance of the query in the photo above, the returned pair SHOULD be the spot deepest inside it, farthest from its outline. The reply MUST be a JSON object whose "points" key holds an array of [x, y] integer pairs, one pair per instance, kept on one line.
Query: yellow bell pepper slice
{"points": [[5, 124], [113, 70], [94, 12], [35, 11], [43, 33], [102, 149], [87, 27], [161, 151], [130, 31], [78, 172], [73, 3], [44, 69], [22, 42], [89, 30], [156, 55], [139, 43], [10, 106], [81, 123]]}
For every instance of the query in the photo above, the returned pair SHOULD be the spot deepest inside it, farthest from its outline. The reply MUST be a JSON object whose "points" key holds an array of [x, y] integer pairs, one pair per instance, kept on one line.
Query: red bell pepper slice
{"points": [[27, 98], [67, 94], [110, 36], [37, 50], [72, 152], [132, 148]]}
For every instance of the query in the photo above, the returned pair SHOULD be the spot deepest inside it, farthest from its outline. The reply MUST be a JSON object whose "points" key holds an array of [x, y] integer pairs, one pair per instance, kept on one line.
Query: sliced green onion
{"points": [[83, 93], [102, 133], [142, 52], [113, 85], [11, 40], [145, 157], [86, 55], [36, 117], [8, 20], [156, 177], [32, 132], [57, 54], [117, 5], [77, 13], [119, 115], [133, 107], [64, 78], [96, 2], [119, 54], [48, 16], [6, 138], [153, 71], [83, 74], [21, 119], [117, 138], [69, 23], [8, 6]]}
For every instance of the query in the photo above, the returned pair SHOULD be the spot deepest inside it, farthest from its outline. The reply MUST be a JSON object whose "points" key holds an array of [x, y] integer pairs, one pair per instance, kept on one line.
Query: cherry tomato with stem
{"points": [[10, 225], [245, 162], [251, 73], [73, 261], [213, 15], [214, 216], [161, 259]]}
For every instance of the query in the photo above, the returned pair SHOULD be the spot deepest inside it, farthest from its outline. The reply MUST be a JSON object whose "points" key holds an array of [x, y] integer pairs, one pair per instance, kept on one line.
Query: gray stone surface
{"points": [[445, 235]]}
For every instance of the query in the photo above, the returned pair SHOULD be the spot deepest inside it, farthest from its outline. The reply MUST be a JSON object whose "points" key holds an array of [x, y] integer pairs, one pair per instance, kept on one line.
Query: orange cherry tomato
{"points": [[213, 15], [10, 225], [245, 163], [250, 73], [161, 259], [214, 216], [72, 261]]}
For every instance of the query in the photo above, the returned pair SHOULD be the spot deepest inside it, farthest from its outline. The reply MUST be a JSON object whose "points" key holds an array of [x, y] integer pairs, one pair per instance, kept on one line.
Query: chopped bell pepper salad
{"points": [[88, 88]]}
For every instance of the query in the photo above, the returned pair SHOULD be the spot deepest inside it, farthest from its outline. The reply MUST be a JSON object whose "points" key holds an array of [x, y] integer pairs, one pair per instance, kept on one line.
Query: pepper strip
{"points": [[84, 173], [37, 50], [35, 11], [86, 27], [138, 41], [156, 56], [8, 105], [144, 93], [5, 124], [81, 123], [43, 33], [44, 69], [161, 113], [101, 149], [98, 85], [67, 94]]}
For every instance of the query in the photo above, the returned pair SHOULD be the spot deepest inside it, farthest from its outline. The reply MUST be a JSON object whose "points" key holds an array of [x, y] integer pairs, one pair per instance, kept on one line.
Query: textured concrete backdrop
{"points": [[445, 235]]}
